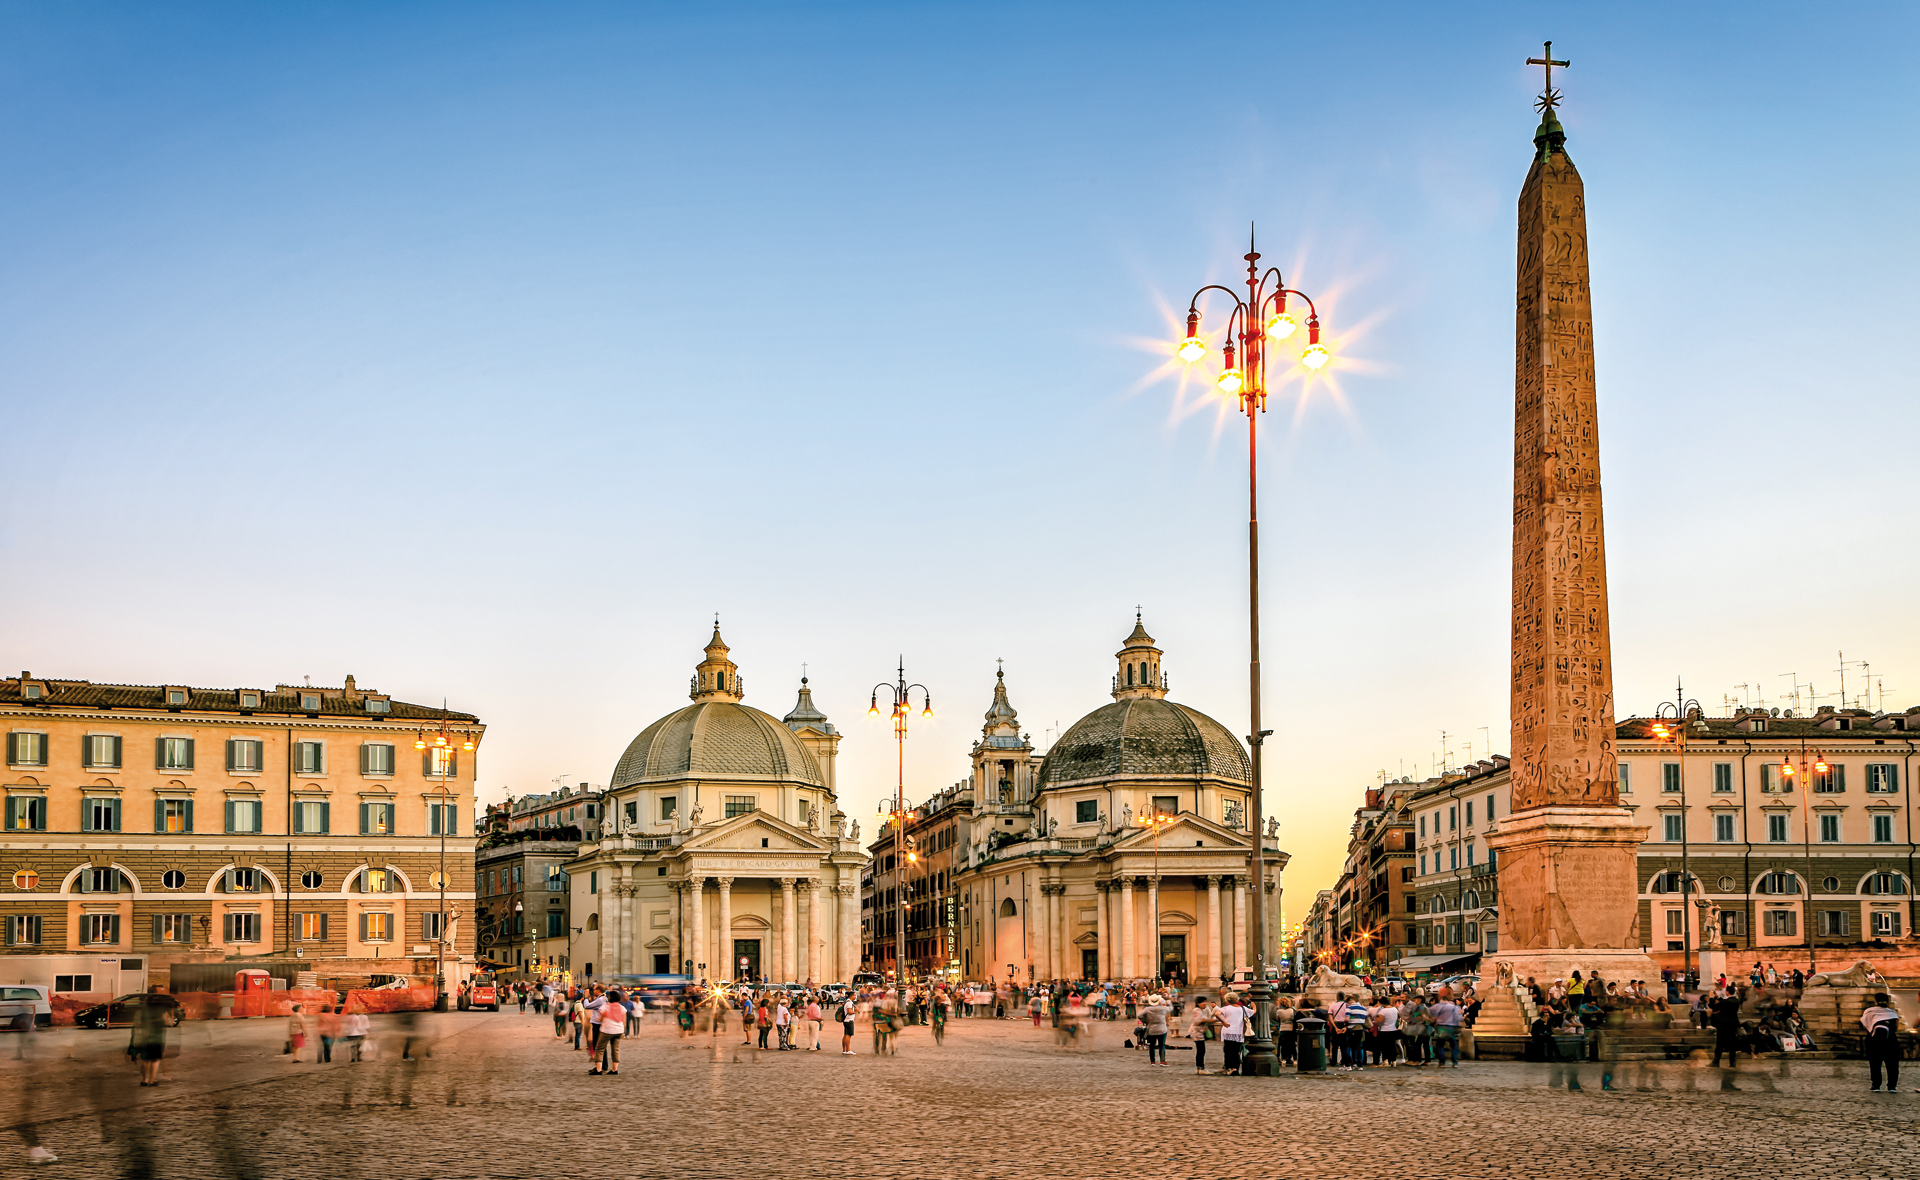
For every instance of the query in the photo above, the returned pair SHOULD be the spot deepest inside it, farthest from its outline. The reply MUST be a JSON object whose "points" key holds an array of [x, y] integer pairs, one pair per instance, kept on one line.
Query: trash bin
{"points": [[1311, 1044]]}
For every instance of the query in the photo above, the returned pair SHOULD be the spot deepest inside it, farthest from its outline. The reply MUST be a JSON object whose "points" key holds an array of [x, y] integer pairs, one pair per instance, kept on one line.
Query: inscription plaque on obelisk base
{"points": [[1567, 850]]}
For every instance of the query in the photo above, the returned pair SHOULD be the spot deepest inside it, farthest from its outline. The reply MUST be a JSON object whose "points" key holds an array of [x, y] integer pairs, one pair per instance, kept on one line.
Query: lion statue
{"points": [[1858, 975]]}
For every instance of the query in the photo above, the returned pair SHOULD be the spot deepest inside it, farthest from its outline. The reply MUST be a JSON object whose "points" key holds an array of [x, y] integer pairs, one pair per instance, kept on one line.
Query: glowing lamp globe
{"points": [[1315, 357], [1230, 382], [1281, 325], [1191, 349]]}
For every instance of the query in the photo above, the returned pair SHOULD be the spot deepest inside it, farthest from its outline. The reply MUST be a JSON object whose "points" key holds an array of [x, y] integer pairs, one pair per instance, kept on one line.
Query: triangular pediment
{"points": [[1090, 938], [744, 833], [659, 944], [1186, 828]]}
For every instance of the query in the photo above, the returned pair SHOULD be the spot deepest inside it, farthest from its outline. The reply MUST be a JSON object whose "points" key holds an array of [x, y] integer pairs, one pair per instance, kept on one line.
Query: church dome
{"points": [[717, 736], [716, 739], [1149, 736]]}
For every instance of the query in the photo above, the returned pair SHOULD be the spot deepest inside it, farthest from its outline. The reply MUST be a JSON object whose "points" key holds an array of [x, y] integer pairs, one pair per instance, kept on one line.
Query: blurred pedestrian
{"points": [[149, 1040], [296, 1036], [613, 1026], [1883, 1042]]}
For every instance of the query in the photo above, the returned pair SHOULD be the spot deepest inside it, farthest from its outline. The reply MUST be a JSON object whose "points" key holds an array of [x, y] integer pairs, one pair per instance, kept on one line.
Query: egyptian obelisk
{"points": [[1566, 853]]}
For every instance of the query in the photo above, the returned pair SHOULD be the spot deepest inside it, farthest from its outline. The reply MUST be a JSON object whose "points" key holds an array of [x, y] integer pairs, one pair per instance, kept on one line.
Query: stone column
{"points": [[810, 970], [1239, 923], [847, 899], [1100, 930], [676, 940], [1211, 955], [1048, 953], [786, 929], [1271, 950], [1070, 955], [725, 931], [1126, 929], [1153, 918], [698, 904]]}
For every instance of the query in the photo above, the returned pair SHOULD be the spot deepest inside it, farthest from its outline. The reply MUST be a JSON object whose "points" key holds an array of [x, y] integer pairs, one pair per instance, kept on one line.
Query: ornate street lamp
{"points": [[443, 743], [1672, 722], [1158, 821], [900, 692], [1259, 323]]}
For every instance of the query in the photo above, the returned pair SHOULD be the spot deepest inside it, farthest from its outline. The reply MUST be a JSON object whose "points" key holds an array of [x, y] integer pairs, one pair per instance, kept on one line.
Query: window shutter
{"points": [[188, 826], [116, 752], [10, 923], [113, 812], [13, 811], [366, 818], [323, 926], [226, 928], [326, 818], [189, 765], [232, 745], [363, 928], [159, 753], [113, 928], [13, 749], [229, 815], [159, 815], [157, 922]]}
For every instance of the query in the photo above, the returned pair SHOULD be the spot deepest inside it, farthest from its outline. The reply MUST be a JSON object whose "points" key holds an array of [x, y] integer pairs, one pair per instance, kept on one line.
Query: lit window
{"points": [[313, 927], [26, 879], [375, 927], [173, 928], [1886, 923], [173, 815], [739, 805], [100, 929], [1883, 778], [26, 813]]}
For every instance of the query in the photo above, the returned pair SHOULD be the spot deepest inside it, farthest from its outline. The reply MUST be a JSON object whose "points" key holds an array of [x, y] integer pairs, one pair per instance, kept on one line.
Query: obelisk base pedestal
{"points": [[1569, 897]]}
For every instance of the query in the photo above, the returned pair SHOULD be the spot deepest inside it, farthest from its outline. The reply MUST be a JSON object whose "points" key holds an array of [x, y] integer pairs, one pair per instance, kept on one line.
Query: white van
{"points": [[24, 1004]]}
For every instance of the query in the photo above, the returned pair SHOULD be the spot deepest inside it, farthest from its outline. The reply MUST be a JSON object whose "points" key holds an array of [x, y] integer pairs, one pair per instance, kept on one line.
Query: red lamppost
{"points": [[900, 691], [1258, 323]]}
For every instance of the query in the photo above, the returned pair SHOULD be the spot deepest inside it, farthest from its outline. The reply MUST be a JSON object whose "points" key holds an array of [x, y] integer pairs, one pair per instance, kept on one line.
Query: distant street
{"points": [[499, 1096]]}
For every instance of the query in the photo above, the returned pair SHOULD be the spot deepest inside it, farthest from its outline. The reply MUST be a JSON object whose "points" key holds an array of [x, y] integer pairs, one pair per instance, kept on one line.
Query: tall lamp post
{"points": [[1672, 720], [900, 692], [1260, 320], [443, 743], [1813, 768], [1158, 821]]}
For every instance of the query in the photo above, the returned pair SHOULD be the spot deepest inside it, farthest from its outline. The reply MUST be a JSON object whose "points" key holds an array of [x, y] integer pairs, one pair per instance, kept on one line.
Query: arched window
{"points": [[593, 921], [1129, 675], [1008, 909], [1777, 881], [1472, 900], [373, 881], [1888, 884]]}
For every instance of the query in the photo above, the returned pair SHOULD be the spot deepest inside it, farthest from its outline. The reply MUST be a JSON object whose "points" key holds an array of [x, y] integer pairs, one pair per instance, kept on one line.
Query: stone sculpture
{"points": [[1858, 975], [694, 816]]}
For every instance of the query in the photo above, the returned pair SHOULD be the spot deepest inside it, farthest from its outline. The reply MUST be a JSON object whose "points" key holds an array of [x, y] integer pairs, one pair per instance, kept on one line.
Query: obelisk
{"points": [[1566, 853]]}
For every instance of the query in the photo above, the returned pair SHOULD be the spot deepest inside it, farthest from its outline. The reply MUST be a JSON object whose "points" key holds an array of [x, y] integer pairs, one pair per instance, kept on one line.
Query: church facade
{"points": [[723, 852], [1122, 854]]}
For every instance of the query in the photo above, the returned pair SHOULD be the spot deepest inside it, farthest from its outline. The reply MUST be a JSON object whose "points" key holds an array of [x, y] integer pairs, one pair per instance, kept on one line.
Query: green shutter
{"points": [[232, 743], [323, 927], [365, 819], [13, 811], [159, 815], [363, 928], [189, 765], [229, 815], [116, 753], [113, 815], [113, 929], [159, 753], [326, 818], [188, 826], [157, 920]]}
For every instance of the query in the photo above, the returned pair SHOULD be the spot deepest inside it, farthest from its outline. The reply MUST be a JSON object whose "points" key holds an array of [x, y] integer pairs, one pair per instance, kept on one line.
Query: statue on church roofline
{"points": [[693, 817]]}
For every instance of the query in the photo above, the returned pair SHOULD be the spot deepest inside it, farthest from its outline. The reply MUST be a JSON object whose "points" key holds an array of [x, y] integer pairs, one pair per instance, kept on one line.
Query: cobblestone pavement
{"points": [[500, 1097]]}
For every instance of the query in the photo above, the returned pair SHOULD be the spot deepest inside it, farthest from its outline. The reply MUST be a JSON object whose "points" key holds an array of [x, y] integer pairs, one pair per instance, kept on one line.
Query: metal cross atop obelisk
{"points": [[1549, 97]]}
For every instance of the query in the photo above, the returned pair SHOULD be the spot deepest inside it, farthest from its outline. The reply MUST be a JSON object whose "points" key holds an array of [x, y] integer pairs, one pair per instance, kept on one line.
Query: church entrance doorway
{"points": [[746, 958], [1090, 964], [1173, 958]]}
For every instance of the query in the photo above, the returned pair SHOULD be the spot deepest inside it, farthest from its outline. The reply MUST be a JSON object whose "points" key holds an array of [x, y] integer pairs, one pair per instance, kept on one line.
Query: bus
{"points": [[655, 991]]}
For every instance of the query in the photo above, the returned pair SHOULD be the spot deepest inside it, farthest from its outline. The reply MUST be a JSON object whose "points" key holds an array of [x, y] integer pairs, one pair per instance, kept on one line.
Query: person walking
{"points": [[845, 1016], [1203, 1025], [1154, 1016], [148, 1042], [1386, 1030], [1233, 1032], [1883, 1042], [613, 1026], [1726, 1029], [296, 1038], [763, 1018], [783, 1022], [937, 1010], [329, 1030], [811, 1017], [1445, 1015]]}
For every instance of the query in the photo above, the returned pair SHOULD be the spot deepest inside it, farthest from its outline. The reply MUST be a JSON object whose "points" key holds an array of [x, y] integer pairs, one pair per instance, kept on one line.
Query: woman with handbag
{"points": [[1203, 1025]]}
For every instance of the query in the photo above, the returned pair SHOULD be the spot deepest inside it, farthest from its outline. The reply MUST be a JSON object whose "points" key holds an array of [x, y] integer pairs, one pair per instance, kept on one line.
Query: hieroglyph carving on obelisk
{"points": [[1562, 667]]}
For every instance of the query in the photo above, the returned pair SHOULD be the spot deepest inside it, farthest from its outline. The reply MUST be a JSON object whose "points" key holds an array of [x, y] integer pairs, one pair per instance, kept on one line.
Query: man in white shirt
{"points": [[1233, 1030], [1883, 1042], [1387, 1028]]}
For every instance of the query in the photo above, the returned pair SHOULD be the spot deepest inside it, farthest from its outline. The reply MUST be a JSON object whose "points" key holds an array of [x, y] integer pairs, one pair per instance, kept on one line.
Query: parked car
{"points": [[120, 1012], [23, 1005]]}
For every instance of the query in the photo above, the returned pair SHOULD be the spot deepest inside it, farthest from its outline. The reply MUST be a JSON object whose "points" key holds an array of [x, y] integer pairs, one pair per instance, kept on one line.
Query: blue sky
{"points": [[485, 351]]}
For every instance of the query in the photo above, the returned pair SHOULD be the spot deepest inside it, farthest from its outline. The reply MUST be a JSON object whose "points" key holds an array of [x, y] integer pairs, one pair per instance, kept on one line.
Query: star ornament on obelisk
{"points": [[1567, 851]]}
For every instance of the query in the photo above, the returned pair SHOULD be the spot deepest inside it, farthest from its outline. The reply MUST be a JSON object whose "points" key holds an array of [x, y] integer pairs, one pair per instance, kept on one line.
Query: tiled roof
{"points": [[1142, 735], [1862, 724], [85, 694]]}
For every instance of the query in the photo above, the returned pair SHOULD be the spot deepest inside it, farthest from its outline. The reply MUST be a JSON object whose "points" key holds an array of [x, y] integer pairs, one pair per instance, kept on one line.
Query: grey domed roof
{"points": [[716, 739], [1142, 735]]}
